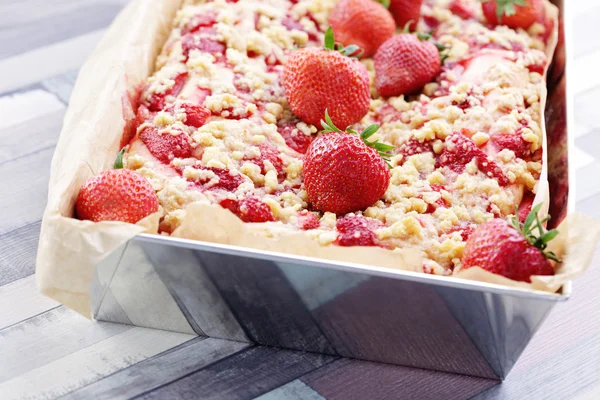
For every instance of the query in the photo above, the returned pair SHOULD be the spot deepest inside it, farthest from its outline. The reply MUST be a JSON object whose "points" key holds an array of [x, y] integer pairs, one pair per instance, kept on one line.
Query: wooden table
{"points": [[47, 350]]}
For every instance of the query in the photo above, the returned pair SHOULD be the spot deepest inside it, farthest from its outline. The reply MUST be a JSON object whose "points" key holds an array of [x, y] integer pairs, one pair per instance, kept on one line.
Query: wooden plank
{"points": [[351, 379], [21, 300], [56, 26], [49, 337], [28, 179], [160, 370], [243, 375], [18, 250], [584, 26], [19, 119], [295, 390], [91, 363], [24, 69], [61, 85]]}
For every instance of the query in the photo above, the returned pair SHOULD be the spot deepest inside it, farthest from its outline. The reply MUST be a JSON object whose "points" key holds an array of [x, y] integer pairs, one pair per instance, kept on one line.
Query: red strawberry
{"points": [[343, 171], [364, 23], [308, 220], [228, 180], [514, 142], [459, 150], [513, 13], [250, 209], [324, 79], [356, 230], [166, 146], [404, 64], [458, 7], [191, 42], [405, 11], [295, 139], [196, 115], [199, 21], [116, 195], [156, 101], [414, 146], [511, 250], [268, 153]]}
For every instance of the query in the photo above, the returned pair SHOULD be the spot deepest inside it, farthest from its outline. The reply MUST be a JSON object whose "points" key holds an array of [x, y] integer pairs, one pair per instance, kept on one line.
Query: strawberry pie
{"points": [[449, 108]]}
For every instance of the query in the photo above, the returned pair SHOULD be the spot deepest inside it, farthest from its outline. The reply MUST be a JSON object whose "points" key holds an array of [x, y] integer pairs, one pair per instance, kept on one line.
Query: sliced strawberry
{"points": [[514, 142], [291, 24], [228, 180], [196, 116], [441, 202], [356, 230], [308, 220], [458, 7], [525, 206], [191, 42], [268, 153], [157, 101], [459, 150], [250, 209], [166, 146], [465, 229], [414, 146], [295, 139], [203, 20]]}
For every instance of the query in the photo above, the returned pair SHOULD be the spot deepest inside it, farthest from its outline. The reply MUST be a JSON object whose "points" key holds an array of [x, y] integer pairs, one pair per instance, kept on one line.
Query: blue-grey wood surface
{"points": [[47, 351]]}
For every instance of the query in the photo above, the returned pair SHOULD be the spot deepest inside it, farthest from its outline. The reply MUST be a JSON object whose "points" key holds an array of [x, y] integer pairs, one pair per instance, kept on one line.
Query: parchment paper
{"points": [[98, 113]]}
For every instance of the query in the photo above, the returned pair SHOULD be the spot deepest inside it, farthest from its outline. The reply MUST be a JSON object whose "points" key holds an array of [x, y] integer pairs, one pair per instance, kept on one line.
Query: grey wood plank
{"points": [[18, 250], [590, 206], [48, 337], [61, 85], [28, 179], [37, 134], [585, 26], [21, 300], [588, 175], [159, 370], [91, 363], [347, 379], [55, 27], [243, 375]]}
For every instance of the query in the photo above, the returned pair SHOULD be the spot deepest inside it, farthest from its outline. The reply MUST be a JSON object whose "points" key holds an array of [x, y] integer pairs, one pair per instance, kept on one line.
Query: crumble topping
{"points": [[226, 59]]}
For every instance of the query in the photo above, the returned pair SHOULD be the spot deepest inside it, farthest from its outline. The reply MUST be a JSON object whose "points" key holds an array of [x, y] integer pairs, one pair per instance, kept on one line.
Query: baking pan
{"points": [[301, 303]]}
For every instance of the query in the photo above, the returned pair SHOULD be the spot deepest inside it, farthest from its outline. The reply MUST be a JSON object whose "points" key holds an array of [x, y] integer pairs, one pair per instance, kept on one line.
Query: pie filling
{"points": [[214, 126]]}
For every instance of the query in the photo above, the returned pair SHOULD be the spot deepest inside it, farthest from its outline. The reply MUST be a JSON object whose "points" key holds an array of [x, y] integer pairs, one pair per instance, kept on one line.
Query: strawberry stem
{"points": [[383, 149], [349, 51], [507, 7], [385, 3], [541, 238], [119, 160]]}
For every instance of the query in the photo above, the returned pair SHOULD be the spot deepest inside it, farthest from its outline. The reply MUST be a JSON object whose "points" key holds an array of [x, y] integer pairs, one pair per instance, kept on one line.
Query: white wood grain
{"points": [[23, 107], [21, 300], [90, 364], [49, 337], [18, 249], [27, 178], [60, 57]]}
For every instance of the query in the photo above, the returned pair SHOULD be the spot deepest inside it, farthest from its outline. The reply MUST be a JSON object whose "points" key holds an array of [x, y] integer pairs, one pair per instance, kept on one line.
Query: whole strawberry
{"points": [[404, 64], [405, 11], [365, 23], [327, 79], [116, 195], [511, 249], [513, 13], [343, 171]]}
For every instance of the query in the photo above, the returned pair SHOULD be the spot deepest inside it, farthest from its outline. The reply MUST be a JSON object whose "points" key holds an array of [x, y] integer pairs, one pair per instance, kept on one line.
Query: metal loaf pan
{"points": [[314, 305]]}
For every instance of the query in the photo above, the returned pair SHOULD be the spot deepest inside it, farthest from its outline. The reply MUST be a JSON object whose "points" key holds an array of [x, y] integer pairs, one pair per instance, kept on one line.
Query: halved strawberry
{"points": [[459, 150], [157, 101], [166, 146], [343, 171], [356, 230], [116, 195], [327, 79], [365, 23], [513, 13], [207, 45], [250, 209], [414, 146], [196, 115], [270, 154], [228, 180], [405, 12], [295, 139], [515, 250], [514, 142], [308, 220]]}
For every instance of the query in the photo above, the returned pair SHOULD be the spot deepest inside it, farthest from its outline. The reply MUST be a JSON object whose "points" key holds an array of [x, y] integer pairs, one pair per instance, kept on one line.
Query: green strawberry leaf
{"points": [[329, 39], [507, 7], [119, 161], [370, 131], [542, 237], [385, 3]]}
